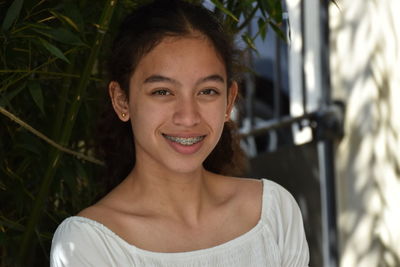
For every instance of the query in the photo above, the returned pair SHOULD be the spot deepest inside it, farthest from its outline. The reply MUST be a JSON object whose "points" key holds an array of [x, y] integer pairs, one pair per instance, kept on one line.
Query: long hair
{"points": [[138, 34]]}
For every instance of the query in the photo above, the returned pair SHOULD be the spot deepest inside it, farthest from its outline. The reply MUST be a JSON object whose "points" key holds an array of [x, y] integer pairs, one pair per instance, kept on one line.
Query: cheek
{"points": [[215, 115], [145, 117], [138, 114]]}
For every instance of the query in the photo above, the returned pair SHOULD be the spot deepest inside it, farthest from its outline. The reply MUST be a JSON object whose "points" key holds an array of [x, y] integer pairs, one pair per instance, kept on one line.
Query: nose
{"points": [[186, 113]]}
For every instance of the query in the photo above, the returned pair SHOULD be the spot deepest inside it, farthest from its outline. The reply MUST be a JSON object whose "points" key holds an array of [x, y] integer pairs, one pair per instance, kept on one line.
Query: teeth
{"points": [[185, 141]]}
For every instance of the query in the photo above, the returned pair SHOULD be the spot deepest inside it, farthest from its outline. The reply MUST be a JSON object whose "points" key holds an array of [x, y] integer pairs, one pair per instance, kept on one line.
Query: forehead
{"points": [[177, 56]]}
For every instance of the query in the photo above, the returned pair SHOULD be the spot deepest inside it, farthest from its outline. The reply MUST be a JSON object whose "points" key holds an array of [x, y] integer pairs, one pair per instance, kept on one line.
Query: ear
{"points": [[233, 91], [119, 100]]}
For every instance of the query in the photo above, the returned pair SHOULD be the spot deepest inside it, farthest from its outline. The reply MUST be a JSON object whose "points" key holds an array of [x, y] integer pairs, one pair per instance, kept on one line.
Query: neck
{"points": [[181, 196]]}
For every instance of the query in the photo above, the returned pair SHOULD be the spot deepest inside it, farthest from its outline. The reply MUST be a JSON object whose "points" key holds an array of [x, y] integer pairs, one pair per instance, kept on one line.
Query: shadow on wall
{"points": [[364, 62], [296, 168]]}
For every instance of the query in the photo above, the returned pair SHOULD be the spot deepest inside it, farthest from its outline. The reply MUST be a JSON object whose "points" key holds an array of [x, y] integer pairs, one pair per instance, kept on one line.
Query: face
{"points": [[178, 104]]}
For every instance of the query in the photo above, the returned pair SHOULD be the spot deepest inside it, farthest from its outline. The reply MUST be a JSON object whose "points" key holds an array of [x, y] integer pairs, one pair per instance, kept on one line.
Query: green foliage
{"points": [[12, 14], [51, 84], [239, 13]]}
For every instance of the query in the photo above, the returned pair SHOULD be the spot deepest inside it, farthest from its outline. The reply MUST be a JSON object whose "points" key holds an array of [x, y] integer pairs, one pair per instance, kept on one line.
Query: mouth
{"points": [[185, 141]]}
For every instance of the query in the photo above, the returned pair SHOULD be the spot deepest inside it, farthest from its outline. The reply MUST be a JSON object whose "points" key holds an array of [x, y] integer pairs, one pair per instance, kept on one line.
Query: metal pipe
{"points": [[326, 151], [276, 124], [328, 205], [277, 78]]}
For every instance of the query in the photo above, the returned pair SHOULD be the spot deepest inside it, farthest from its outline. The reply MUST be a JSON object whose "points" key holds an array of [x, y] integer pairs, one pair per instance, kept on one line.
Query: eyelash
{"points": [[162, 92], [166, 92], [209, 91]]}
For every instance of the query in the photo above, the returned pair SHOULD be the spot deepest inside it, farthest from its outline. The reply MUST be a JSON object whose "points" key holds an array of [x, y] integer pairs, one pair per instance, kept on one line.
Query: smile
{"points": [[186, 141]]}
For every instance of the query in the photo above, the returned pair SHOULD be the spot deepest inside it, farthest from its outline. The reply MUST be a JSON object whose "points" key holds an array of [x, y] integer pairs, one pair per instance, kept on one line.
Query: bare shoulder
{"points": [[97, 213], [249, 183], [104, 211], [91, 212], [246, 194], [249, 190], [245, 187], [109, 207]]}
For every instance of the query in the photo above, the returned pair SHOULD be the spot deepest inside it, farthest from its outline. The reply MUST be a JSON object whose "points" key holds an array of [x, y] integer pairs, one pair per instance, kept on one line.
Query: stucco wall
{"points": [[365, 65]]}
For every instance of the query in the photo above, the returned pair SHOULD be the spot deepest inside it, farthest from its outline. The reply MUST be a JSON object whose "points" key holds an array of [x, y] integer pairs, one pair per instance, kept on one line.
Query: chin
{"points": [[185, 166]]}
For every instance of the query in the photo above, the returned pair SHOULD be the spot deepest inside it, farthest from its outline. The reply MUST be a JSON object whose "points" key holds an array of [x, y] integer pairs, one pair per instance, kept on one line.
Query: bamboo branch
{"points": [[47, 139], [49, 73], [248, 19], [31, 71], [55, 155]]}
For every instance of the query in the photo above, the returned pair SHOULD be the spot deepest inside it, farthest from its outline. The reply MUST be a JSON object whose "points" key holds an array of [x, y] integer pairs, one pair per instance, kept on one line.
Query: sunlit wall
{"points": [[365, 66]]}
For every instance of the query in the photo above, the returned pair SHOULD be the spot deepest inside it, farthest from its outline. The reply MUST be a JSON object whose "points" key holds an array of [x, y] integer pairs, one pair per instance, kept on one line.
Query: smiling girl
{"points": [[172, 90]]}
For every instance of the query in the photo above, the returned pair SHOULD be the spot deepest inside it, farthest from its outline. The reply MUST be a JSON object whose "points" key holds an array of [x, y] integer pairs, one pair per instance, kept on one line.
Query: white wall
{"points": [[365, 72]]}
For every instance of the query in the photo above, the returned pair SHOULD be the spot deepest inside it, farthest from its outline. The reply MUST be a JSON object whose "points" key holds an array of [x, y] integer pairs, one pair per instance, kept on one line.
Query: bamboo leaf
{"points": [[274, 9], [65, 36], [61, 35], [249, 41], [262, 8], [220, 6], [65, 19], [10, 224], [262, 29], [53, 50], [55, 155], [73, 12], [278, 31], [37, 95], [12, 14], [5, 100]]}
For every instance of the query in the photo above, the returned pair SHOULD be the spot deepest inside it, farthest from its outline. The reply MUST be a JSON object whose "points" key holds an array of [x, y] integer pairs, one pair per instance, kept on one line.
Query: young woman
{"points": [[172, 89]]}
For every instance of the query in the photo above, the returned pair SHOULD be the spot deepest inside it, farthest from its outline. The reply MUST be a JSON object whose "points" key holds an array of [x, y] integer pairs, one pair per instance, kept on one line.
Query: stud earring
{"points": [[123, 115]]}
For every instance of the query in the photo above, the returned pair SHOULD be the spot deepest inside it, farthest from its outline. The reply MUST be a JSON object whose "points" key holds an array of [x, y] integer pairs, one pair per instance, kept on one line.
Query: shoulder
{"points": [[76, 227], [244, 196], [247, 186], [80, 241], [272, 200], [93, 213], [282, 215], [76, 231], [267, 193], [279, 204], [244, 190], [273, 191]]}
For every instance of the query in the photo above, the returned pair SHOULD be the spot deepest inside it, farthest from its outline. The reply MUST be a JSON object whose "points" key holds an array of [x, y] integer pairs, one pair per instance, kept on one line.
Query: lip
{"points": [[184, 135], [185, 149]]}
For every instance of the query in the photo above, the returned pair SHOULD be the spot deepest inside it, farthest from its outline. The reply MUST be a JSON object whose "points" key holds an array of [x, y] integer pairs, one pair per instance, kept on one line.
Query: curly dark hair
{"points": [[138, 34]]}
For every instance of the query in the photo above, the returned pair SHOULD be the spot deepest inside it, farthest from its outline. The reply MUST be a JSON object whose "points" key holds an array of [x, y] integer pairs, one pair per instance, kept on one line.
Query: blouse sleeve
{"points": [[290, 230], [77, 244]]}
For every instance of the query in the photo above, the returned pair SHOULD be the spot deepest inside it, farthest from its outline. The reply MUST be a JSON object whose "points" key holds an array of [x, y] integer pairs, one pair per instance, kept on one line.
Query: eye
{"points": [[209, 91], [162, 92]]}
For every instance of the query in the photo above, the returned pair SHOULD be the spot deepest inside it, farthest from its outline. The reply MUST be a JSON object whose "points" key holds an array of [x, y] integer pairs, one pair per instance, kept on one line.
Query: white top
{"points": [[278, 239]]}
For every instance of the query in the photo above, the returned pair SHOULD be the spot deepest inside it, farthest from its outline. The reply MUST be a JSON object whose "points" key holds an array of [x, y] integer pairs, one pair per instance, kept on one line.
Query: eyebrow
{"points": [[159, 78], [212, 78]]}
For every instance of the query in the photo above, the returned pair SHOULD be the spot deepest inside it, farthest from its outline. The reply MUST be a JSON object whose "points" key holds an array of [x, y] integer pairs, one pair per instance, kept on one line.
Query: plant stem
{"points": [[248, 19], [48, 62], [55, 155], [49, 73], [48, 140]]}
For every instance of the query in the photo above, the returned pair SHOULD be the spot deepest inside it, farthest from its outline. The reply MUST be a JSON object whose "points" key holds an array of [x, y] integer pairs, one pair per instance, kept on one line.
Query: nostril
{"points": [[186, 119], [186, 116]]}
